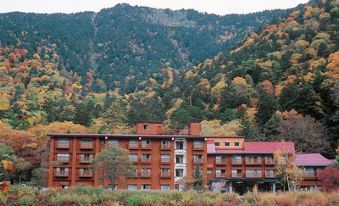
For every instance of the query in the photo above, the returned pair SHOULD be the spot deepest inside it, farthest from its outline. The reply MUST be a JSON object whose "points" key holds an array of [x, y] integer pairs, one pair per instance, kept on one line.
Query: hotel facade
{"points": [[161, 160]]}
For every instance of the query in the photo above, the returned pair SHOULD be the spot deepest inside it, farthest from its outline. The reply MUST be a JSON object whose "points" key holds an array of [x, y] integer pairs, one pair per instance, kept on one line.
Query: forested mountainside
{"points": [[123, 45]]}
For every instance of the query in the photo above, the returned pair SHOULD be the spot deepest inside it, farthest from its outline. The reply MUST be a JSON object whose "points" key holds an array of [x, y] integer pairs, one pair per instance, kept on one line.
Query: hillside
{"points": [[283, 76], [271, 80], [123, 45]]}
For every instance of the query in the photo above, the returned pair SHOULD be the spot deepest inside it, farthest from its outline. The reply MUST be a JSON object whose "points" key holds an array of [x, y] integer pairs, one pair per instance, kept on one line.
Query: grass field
{"points": [[84, 196]]}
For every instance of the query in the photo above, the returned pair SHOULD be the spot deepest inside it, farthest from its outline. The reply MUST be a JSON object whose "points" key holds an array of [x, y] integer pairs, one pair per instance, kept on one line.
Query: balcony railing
{"points": [[63, 159], [133, 146], [239, 175], [269, 175], [146, 146], [198, 146], [86, 145], [269, 161], [165, 160], [236, 161], [61, 173], [253, 162], [145, 174], [86, 173], [197, 160], [165, 146], [165, 174], [85, 159], [308, 174], [220, 174], [253, 174], [220, 161], [146, 160], [63, 145]]}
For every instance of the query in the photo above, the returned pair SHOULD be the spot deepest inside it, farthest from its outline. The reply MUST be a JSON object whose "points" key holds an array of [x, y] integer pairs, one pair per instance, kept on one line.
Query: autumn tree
{"points": [[329, 179], [307, 133], [286, 169], [113, 163]]}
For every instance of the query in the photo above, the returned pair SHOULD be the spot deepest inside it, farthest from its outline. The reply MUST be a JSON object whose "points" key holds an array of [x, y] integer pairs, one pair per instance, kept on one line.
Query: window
{"points": [[146, 144], [62, 171], [220, 172], [179, 145], [146, 157], [133, 144], [133, 157], [179, 172], [209, 171], [63, 143], [236, 173], [179, 159], [145, 126], [165, 158], [145, 172], [227, 144], [63, 157], [113, 143], [165, 172], [269, 173], [165, 187], [197, 158], [236, 157], [146, 187], [86, 157], [237, 144], [253, 173], [217, 144], [177, 187], [85, 172], [132, 187], [198, 144], [165, 144]]}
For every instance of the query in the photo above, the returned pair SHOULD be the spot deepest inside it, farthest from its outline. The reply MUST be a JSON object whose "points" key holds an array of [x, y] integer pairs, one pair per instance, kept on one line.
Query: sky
{"points": [[220, 7]]}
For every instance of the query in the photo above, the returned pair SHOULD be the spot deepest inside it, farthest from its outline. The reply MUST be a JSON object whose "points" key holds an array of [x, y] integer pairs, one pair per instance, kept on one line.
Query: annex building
{"points": [[161, 159]]}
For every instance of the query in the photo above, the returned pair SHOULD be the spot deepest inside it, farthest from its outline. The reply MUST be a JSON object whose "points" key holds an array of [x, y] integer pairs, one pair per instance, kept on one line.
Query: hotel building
{"points": [[160, 160]]}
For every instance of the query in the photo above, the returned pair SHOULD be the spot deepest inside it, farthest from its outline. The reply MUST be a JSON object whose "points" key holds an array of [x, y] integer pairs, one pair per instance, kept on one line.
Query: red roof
{"points": [[255, 148], [312, 159]]}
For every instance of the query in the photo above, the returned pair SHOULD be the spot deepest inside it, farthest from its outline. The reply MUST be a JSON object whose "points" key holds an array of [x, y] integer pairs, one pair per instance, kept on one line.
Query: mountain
{"points": [[276, 78], [121, 46]]}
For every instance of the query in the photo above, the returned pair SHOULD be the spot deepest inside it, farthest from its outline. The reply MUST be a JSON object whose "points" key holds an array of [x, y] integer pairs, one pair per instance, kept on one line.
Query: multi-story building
{"points": [[161, 159]]}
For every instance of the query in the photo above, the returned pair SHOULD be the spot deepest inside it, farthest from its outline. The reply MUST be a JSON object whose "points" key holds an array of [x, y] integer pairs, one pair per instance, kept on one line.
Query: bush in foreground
{"points": [[303, 198], [86, 196]]}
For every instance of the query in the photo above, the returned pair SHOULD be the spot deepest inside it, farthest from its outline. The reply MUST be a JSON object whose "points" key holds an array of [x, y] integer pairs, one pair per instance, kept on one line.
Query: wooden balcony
{"points": [[253, 162], [165, 160], [308, 174], [86, 173], [269, 175], [85, 160], [61, 173], [63, 145], [86, 145], [220, 174], [145, 174], [165, 174], [253, 175], [165, 146], [146, 146], [269, 161], [236, 161], [237, 175], [220, 161], [198, 161], [133, 146], [62, 159], [198, 146], [146, 160]]}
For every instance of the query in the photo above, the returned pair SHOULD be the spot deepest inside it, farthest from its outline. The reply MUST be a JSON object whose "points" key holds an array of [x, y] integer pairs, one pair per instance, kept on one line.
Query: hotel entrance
{"points": [[242, 186]]}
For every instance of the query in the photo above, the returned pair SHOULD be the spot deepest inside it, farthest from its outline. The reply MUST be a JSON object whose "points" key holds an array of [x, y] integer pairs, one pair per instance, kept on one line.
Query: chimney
{"points": [[194, 128]]}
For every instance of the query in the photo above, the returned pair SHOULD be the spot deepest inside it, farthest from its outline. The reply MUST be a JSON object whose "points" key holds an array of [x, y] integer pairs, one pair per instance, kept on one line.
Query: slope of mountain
{"points": [[123, 45], [289, 65]]}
